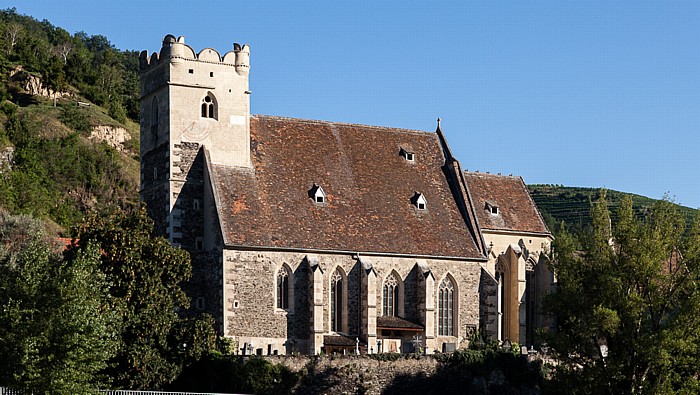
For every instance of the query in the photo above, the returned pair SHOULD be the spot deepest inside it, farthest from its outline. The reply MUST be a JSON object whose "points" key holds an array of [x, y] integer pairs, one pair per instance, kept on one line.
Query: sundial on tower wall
{"points": [[196, 131]]}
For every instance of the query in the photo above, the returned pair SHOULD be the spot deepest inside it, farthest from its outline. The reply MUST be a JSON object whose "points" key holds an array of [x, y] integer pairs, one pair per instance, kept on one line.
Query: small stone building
{"points": [[310, 236]]}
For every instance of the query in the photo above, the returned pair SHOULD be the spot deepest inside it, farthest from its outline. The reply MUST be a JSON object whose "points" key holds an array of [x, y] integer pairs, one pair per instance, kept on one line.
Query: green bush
{"points": [[76, 118]]}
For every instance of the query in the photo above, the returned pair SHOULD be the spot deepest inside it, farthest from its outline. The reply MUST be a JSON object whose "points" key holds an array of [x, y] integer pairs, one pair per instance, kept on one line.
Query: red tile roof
{"points": [[516, 209], [368, 184]]}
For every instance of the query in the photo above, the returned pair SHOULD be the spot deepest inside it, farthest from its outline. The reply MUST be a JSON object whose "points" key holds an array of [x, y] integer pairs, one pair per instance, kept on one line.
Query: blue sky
{"points": [[589, 93]]}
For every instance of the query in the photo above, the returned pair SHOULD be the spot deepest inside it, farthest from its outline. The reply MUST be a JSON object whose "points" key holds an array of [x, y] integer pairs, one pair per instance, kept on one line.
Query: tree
{"points": [[13, 31], [626, 305], [145, 274], [56, 333]]}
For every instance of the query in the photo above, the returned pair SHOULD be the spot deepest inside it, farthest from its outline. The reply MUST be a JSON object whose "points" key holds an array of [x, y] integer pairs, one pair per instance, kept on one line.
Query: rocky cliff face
{"points": [[115, 136], [33, 85]]}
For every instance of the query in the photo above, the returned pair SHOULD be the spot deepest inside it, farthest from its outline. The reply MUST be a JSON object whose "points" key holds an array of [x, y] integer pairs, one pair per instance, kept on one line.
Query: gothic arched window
{"points": [[501, 303], [284, 288], [390, 296], [209, 107], [155, 116], [337, 308], [446, 305]]}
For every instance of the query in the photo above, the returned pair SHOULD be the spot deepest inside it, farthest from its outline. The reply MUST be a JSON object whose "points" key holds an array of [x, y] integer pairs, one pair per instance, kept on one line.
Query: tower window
{"points": [[211, 74], [209, 107], [191, 71], [154, 117]]}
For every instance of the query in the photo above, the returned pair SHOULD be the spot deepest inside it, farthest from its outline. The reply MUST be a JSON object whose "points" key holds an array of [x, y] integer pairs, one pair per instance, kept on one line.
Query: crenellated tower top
{"points": [[176, 51]]}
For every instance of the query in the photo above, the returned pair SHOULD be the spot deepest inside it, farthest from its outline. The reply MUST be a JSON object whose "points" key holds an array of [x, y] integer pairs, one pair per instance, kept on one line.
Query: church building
{"points": [[312, 236]]}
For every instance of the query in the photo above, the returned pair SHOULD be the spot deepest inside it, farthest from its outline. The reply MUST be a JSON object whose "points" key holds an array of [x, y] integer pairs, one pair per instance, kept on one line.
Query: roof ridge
{"points": [[318, 121], [478, 173]]}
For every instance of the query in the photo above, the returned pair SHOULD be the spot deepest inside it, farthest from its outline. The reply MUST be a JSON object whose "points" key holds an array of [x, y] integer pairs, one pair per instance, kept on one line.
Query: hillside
{"points": [[571, 205], [69, 134]]}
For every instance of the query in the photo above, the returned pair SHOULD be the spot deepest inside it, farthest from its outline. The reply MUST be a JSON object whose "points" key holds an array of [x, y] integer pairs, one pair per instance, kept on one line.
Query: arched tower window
{"points": [[285, 288], [209, 109], [338, 287], [446, 307], [155, 116], [390, 296]]}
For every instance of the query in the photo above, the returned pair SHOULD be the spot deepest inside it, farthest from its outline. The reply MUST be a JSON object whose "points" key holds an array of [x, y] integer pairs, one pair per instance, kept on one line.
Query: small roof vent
{"points": [[419, 201], [317, 194]]}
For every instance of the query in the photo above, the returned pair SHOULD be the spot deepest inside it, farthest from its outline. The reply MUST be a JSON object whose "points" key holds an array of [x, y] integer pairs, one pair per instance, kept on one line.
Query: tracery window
{"points": [[390, 296], [209, 107], [283, 290], [446, 306], [337, 302]]}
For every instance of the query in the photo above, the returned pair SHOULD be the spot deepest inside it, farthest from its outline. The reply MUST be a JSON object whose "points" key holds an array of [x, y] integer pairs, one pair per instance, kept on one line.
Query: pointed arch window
{"points": [[155, 116], [209, 108], [446, 305], [285, 287], [390, 296], [337, 305], [501, 295]]}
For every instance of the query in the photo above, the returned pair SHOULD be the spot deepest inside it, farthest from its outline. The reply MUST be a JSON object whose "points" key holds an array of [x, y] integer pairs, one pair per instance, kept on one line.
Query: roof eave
{"points": [[229, 246]]}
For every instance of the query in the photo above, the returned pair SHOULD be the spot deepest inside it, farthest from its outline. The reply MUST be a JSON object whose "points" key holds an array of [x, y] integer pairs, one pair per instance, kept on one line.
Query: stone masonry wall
{"points": [[251, 315], [154, 186], [424, 375]]}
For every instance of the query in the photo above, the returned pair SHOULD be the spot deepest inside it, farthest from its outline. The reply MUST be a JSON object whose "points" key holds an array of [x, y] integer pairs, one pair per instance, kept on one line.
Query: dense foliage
{"points": [[44, 170], [626, 305], [103, 74], [56, 329], [145, 275]]}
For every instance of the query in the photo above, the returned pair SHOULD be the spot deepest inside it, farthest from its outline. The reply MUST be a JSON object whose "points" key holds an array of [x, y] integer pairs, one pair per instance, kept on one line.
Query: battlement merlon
{"points": [[175, 51]]}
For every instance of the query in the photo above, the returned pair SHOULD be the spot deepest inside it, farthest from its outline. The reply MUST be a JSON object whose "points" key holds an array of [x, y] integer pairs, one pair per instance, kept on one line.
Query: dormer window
{"points": [[492, 208], [419, 201], [317, 194], [408, 154]]}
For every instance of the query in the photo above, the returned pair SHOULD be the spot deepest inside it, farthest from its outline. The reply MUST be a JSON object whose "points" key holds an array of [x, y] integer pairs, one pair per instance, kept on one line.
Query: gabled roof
{"points": [[368, 184], [516, 209]]}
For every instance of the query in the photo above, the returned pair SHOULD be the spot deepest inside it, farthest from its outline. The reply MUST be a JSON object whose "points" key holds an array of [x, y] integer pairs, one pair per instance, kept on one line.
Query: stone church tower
{"points": [[190, 100]]}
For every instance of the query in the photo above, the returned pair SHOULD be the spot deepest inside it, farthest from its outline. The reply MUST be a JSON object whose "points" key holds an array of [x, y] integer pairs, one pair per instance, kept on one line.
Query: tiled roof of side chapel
{"points": [[372, 191], [514, 208]]}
